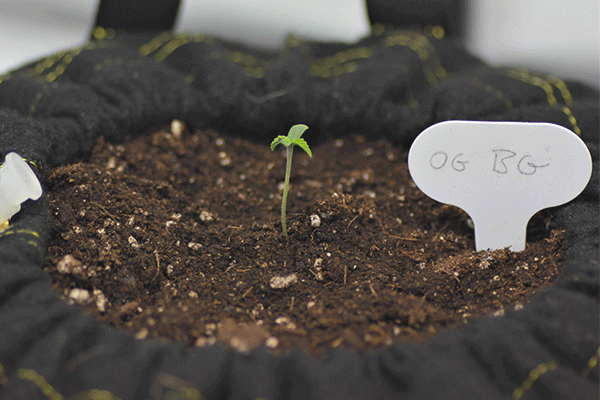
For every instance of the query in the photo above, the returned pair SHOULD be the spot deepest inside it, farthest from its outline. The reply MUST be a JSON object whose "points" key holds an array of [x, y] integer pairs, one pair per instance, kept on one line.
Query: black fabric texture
{"points": [[392, 84]]}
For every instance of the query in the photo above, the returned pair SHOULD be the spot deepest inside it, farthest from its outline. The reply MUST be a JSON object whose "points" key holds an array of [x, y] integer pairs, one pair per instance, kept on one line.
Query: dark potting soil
{"points": [[177, 235]]}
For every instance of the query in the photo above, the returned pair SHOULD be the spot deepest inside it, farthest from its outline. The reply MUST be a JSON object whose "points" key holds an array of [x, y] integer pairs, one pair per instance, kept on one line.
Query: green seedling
{"points": [[293, 138]]}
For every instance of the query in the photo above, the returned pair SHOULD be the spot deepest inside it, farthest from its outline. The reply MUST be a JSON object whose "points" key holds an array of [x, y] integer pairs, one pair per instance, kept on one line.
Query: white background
{"points": [[561, 37]]}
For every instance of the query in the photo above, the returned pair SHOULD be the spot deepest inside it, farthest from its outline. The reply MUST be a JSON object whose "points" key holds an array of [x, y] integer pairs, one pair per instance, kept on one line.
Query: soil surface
{"points": [[177, 235]]}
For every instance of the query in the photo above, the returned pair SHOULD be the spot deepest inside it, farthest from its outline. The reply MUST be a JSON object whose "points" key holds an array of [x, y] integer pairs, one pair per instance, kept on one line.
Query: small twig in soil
{"points": [[373, 290], [404, 238], [246, 293], [449, 273], [379, 330], [350, 223], [230, 267], [313, 272], [157, 264], [372, 250], [442, 228], [554, 264], [239, 228], [104, 209]]}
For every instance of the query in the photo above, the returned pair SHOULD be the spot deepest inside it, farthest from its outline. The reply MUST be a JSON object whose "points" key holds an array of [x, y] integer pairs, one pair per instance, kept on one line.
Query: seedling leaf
{"points": [[303, 145], [296, 131], [284, 140]]}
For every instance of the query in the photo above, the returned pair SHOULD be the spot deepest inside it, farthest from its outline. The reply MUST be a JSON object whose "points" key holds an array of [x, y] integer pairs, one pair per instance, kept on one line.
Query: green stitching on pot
{"points": [[99, 33], [254, 66], [49, 62], [572, 119], [325, 72], [258, 72], [187, 393], [404, 40], [591, 364], [95, 394], [190, 78], [292, 40], [5, 77], [174, 393], [492, 90], [12, 231], [522, 75], [36, 100], [436, 31], [564, 90], [378, 29], [176, 43], [66, 59], [3, 377], [340, 63], [184, 394], [30, 162], [116, 61], [179, 388], [533, 376], [525, 76], [352, 54], [335, 65], [432, 66], [40, 382], [154, 44]]}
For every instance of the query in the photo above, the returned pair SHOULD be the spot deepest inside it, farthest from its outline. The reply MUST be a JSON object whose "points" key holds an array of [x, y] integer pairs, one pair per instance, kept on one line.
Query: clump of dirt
{"points": [[177, 235]]}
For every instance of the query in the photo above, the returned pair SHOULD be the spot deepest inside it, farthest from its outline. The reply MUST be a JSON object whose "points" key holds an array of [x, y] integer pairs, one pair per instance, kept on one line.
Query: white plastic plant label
{"points": [[18, 183], [500, 173]]}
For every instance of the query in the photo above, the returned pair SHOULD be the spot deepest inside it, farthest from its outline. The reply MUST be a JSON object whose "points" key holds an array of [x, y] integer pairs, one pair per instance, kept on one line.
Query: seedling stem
{"points": [[293, 138]]}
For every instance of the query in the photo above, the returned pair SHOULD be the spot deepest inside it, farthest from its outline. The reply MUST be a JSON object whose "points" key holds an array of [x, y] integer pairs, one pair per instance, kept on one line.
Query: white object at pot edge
{"points": [[17, 184]]}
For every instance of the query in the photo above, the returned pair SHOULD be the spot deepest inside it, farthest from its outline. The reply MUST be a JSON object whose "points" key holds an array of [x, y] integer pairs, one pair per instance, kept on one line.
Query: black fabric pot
{"points": [[394, 83]]}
